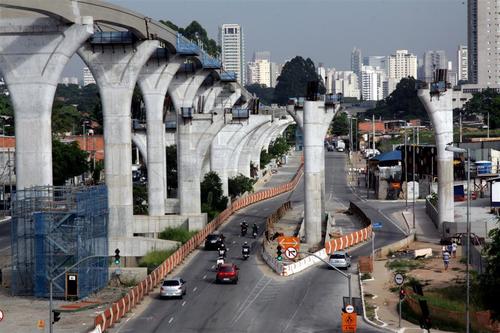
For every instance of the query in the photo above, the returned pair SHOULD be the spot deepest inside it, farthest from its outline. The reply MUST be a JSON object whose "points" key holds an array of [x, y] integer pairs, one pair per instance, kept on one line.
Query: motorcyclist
{"points": [[244, 228], [255, 228], [222, 250], [245, 249]]}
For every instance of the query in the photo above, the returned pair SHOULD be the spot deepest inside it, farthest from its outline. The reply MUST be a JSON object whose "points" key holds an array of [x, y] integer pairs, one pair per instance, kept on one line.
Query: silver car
{"points": [[340, 259], [173, 288]]}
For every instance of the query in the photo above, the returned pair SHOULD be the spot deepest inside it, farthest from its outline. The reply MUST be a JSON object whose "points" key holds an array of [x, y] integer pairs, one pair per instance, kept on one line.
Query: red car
{"points": [[227, 273]]}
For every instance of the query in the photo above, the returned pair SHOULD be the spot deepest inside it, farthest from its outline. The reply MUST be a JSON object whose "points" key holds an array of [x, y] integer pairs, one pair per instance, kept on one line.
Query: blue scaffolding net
{"points": [[53, 228]]}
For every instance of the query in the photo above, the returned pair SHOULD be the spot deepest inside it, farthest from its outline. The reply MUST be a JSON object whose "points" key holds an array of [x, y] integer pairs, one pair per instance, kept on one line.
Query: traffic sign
{"points": [[291, 253], [1, 315], [289, 241], [377, 226], [349, 321], [349, 309], [399, 279], [40, 324]]}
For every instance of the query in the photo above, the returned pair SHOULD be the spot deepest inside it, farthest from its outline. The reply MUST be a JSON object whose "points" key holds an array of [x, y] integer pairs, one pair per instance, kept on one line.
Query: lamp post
{"points": [[413, 175], [467, 272]]}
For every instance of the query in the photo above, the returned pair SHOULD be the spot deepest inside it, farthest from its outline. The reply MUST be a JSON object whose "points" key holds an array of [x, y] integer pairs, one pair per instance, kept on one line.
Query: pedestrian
{"points": [[446, 259], [449, 248], [454, 249]]}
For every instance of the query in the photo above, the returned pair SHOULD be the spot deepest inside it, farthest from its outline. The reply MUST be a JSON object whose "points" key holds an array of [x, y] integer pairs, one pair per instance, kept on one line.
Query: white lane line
{"points": [[251, 302], [394, 223], [183, 303], [195, 288], [204, 276], [213, 266], [170, 320]]}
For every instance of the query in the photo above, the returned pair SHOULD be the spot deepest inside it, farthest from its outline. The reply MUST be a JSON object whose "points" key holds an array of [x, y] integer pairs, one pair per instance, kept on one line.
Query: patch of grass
{"points": [[154, 259], [404, 265], [366, 276], [177, 234], [370, 311], [368, 295], [456, 269]]}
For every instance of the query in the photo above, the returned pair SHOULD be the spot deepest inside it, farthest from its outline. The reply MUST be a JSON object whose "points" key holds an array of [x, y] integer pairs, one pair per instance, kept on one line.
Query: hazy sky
{"points": [[324, 30]]}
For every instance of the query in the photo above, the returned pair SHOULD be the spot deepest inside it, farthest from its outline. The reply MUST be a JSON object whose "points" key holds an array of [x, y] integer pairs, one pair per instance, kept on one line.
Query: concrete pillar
{"points": [[31, 64], [192, 135], [154, 80], [440, 112], [315, 119], [116, 74], [250, 147], [211, 97], [226, 147]]}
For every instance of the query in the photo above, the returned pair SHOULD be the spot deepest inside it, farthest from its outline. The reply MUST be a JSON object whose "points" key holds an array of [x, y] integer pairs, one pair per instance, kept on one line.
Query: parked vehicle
{"points": [[340, 259], [173, 288], [227, 273], [212, 242]]}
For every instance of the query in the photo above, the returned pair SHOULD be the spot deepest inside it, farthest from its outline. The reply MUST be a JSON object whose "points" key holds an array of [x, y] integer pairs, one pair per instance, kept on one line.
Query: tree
{"points": [[487, 101], [140, 195], [239, 185], [171, 152], [279, 147], [402, 103], [340, 124], [264, 93], [68, 161], [265, 158], [490, 279], [65, 118], [294, 78], [196, 33], [212, 199]]}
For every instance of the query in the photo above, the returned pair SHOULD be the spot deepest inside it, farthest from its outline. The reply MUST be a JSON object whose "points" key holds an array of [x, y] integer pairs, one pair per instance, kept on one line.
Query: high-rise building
{"points": [[483, 42], [321, 70], [259, 70], [376, 61], [232, 43], [433, 60], [88, 78], [400, 65], [462, 67], [275, 73], [372, 83], [344, 82], [356, 62], [252, 73], [262, 55]]}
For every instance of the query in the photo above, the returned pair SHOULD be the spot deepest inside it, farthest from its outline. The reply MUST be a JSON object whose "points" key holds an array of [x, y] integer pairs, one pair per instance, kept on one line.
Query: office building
{"points": [[433, 60], [259, 70], [400, 65], [232, 44], [462, 63], [372, 83], [376, 61], [344, 82], [275, 73], [356, 62], [483, 42], [88, 78]]}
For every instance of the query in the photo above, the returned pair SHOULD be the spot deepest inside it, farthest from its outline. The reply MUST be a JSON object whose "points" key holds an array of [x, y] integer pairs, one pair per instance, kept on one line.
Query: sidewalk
{"points": [[284, 175]]}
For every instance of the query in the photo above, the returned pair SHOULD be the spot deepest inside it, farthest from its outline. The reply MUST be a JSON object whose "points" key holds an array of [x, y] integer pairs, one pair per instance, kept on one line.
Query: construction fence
{"points": [[54, 227]]}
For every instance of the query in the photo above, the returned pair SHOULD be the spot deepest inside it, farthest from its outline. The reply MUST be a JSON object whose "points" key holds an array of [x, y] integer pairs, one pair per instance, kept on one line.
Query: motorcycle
{"points": [[243, 232], [220, 261], [246, 253], [222, 253], [254, 234]]}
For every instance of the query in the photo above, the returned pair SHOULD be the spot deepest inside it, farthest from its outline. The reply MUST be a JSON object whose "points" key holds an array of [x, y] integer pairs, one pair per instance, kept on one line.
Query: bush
{"points": [[140, 195], [239, 185], [366, 276], [401, 265], [177, 234], [155, 258]]}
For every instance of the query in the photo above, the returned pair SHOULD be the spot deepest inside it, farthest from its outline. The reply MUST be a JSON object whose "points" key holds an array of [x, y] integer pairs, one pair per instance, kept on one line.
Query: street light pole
{"points": [[488, 131], [413, 173], [406, 171]]}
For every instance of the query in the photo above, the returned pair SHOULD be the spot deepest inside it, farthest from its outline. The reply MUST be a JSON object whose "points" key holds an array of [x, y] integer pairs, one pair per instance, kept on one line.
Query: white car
{"points": [[340, 259], [173, 288]]}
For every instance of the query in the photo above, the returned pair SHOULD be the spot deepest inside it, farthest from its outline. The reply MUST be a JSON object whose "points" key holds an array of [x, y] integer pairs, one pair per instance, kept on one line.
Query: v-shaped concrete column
{"points": [[226, 146], [440, 111], [317, 119], [31, 64], [116, 73], [251, 146], [154, 80], [211, 97]]}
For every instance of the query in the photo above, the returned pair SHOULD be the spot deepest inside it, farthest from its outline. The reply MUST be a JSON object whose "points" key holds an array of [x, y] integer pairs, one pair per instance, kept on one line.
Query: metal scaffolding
{"points": [[54, 227]]}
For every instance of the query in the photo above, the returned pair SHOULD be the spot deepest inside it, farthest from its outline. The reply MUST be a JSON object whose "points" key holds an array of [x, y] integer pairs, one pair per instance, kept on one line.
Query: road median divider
{"points": [[118, 309]]}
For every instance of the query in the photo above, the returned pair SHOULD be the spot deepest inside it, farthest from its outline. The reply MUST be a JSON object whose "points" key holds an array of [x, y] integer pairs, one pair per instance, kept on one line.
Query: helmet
{"points": [[246, 243]]}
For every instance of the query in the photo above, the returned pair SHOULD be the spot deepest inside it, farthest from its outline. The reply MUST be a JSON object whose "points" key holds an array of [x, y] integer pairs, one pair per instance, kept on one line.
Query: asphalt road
{"points": [[261, 301]]}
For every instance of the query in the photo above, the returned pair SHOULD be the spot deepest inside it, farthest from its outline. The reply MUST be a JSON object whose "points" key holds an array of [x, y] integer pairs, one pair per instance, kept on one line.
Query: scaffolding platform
{"points": [[54, 227]]}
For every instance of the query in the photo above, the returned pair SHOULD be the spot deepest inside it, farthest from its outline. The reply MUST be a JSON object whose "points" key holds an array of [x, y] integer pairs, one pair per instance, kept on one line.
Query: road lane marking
{"points": [[170, 320], [251, 302], [183, 303], [213, 266], [204, 276], [195, 288]]}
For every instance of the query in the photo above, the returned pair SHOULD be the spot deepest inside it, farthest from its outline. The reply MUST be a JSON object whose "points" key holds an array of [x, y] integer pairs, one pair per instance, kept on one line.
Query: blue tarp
{"points": [[394, 155]]}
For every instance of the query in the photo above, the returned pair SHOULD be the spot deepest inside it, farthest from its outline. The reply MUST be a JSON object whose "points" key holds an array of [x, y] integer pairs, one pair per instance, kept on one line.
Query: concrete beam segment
{"points": [[255, 122], [211, 97], [263, 141], [184, 87], [31, 64], [116, 74], [440, 110], [298, 116], [249, 148], [315, 118], [154, 80], [139, 140]]}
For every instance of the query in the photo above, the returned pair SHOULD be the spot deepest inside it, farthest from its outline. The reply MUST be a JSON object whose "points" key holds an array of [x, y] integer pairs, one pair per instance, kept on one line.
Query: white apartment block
{"points": [[232, 43], [275, 73], [433, 60], [372, 83], [88, 78], [344, 82], [462, 63], [259, 72], [400, 65]]}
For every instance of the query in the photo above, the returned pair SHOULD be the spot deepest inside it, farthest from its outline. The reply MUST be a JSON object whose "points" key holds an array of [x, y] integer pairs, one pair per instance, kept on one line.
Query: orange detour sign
{"points": [[349, 322], [289, 241], [40, 324]]}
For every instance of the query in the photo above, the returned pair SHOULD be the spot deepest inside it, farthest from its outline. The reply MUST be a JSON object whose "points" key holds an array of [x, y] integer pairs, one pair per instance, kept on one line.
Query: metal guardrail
{"points": [[186, 47]]}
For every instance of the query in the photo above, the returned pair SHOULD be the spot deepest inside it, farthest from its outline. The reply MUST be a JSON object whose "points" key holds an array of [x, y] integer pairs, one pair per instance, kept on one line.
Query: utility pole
{"points": [[488, 131], [373, 130], [414, 162], [406, 172], [460, 140]]}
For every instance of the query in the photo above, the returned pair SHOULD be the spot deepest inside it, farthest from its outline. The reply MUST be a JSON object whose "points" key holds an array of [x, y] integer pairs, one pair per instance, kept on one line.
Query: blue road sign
{"points": [[377, 226]]}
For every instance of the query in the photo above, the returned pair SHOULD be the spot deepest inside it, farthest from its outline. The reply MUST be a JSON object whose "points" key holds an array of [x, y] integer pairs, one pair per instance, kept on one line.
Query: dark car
{"points": [[227, 273], [212, 242]]}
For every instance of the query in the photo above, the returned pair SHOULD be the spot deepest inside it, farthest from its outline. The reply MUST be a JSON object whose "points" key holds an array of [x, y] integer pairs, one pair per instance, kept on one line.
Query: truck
{"points": [[340, 145]]}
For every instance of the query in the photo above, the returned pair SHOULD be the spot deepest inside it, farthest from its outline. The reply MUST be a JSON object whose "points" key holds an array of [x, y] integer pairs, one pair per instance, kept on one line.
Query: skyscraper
{"points": [[259, 70], [372, 83], [462, 67], [376, 61], [433, 60], [400, 65], [88, 78], [356, 62], [344, 82], [483, 41], [275, 73], [232, 43]]}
